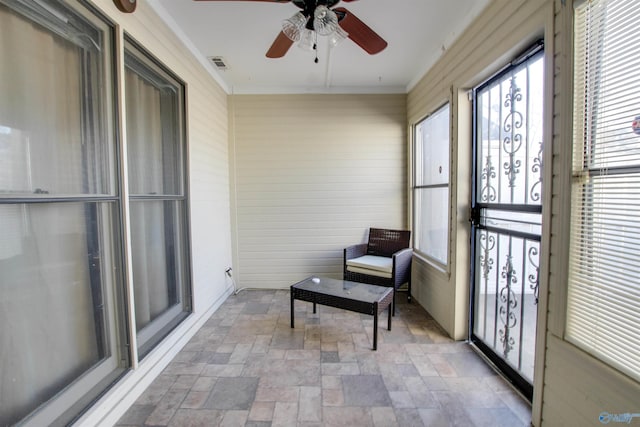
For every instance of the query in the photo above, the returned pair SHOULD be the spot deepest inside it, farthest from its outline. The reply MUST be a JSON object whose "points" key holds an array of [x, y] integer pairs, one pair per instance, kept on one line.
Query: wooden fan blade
{"points": [[360, 32], [280, 46]]}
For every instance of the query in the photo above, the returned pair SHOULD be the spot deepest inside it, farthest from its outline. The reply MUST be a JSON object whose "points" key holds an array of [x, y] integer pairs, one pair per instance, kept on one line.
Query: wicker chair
{"points": [[384, 260]]}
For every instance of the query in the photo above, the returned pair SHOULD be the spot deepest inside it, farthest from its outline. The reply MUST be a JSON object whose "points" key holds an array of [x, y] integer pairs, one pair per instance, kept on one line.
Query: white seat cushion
{"points": [[372, 265]]}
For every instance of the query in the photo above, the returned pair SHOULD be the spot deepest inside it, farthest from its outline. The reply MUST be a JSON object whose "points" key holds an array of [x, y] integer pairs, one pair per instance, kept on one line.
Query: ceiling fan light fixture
{"points": [[337, 36], [325, 21], [293, 26], [308, 39]]}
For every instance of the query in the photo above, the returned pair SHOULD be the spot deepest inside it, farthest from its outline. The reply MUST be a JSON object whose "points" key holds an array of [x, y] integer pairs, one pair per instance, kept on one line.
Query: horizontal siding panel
{"points": [[437, 298], [562, 414], [311, 174], [309, 205], [353, 226], [307, 169], [580, 397], [320, 190]]}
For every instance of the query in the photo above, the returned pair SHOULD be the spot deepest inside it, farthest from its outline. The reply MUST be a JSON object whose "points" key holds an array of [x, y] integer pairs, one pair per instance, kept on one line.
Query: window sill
{"points": [[431, 263]]}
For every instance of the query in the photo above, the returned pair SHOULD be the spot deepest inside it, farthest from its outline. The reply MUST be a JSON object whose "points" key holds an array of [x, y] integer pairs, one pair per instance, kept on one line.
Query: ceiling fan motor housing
{"points": [[309, 6]]}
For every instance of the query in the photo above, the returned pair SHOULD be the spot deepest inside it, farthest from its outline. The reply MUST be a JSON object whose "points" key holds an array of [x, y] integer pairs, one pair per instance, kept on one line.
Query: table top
{"points": [[344, 289]]}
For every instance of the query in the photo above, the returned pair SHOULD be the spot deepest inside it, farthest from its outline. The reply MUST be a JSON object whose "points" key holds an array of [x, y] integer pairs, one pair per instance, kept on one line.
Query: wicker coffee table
{"points": [[352, 296]]}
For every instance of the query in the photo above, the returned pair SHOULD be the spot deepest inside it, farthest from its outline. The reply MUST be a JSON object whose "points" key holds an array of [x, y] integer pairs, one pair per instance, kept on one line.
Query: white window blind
{"points": [[603, 307]]}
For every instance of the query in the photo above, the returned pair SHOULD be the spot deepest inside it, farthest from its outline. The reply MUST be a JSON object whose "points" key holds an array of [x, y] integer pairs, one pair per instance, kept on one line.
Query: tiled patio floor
{"points": [[247, 367]]}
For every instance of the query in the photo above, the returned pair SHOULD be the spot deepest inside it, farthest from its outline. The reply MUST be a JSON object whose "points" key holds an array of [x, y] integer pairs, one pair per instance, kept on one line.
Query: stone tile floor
{"points": [[247, 367]]}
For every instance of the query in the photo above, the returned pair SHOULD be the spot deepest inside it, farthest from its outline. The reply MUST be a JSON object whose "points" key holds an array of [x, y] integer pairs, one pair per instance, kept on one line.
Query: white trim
{"points": [[129, 297], [547, 202], [64, 400], [334, 90]]}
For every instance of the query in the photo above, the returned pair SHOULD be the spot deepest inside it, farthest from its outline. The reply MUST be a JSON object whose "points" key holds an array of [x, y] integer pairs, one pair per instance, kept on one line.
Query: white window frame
{"points": [[140, 61], [440, 180]]}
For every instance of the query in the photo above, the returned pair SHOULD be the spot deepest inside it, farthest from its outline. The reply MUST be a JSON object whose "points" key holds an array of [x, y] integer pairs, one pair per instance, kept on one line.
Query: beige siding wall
{"points": [[209, 189], [311, 174], [577, 387], [500, 32]]}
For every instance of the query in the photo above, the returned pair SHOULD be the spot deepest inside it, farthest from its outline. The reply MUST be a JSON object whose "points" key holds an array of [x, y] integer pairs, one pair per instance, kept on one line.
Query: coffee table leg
{"points": [[375, 325], [389, 321], [375, 330], [292, 309]]}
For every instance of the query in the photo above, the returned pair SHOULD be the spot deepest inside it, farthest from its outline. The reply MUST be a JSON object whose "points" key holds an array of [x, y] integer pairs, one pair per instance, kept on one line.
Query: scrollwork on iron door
{"points": [[508, 305], [512, 147], [536, 169], [534, 261], [488, 192], [487, 243], [512, 142]]}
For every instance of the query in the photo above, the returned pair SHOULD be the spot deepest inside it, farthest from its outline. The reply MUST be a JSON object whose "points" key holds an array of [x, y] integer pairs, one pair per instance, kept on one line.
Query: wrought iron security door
{"points": [[507, 216]]}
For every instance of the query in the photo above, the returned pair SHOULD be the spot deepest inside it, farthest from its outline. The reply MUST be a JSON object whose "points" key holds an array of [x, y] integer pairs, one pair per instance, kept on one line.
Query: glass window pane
{"points": [[156, 266], [432, 145], [505, 317], [159, 266], [154, 131], [509, 136], [431, 190], [432, 224], [53, 134], [56, 263]]}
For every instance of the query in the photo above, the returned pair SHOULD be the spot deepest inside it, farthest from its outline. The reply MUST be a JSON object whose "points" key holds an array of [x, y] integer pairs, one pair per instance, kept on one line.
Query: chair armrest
{"points": [[402, 265], [403, 254], [354, 251]]}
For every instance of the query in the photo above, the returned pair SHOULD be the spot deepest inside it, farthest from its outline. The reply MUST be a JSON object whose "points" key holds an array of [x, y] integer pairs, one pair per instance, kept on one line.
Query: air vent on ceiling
{"points": [[218, 61]]}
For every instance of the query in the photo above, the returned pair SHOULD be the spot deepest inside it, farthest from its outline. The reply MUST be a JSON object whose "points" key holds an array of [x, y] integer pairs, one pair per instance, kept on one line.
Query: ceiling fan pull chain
{"points": [[315, 47]]}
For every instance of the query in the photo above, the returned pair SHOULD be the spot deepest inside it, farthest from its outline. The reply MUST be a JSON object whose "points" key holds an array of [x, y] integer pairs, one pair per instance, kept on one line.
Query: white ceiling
{"points": [[417, 32]]}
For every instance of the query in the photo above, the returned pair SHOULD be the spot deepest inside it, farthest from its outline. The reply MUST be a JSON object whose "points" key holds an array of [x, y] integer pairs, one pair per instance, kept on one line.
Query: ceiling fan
{"points": [[318, 17]]}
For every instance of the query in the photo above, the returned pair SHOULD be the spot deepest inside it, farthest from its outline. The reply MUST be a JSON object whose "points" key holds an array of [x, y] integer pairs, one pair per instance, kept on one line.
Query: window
{"points": [[63, 309], [61, 331], [604, 278], [157, 176], [431, 186]]}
